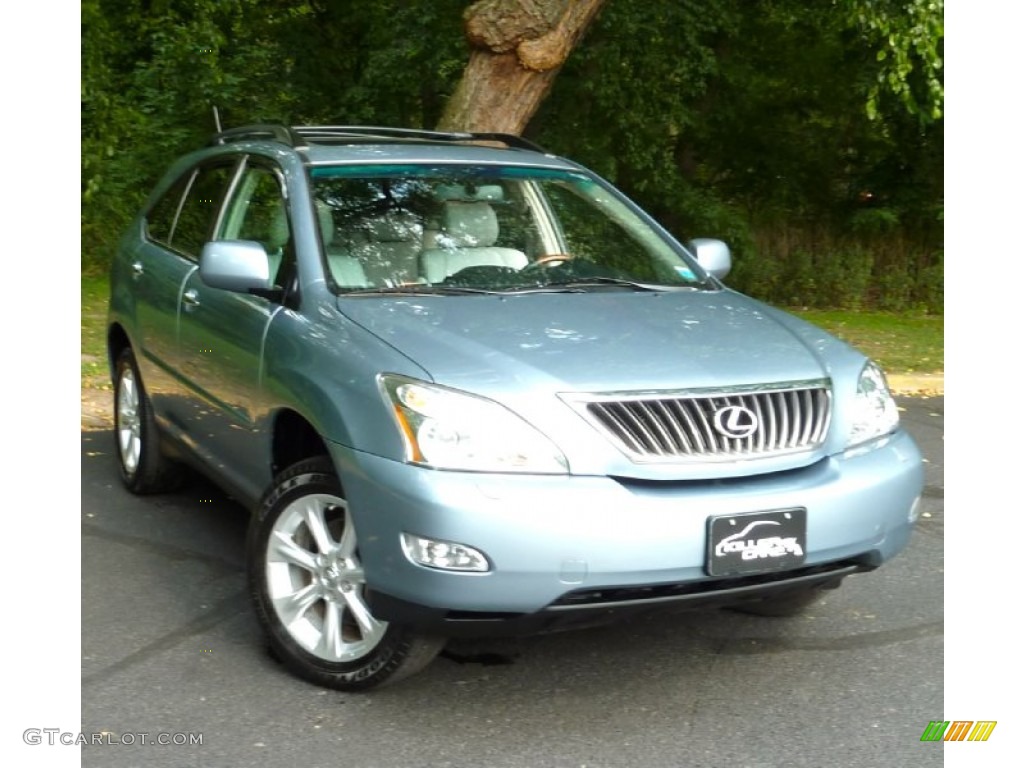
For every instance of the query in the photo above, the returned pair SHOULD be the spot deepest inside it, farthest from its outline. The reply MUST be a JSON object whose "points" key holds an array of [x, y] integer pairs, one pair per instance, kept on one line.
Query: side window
{"points": [[516, 228], [257, 211], [161, 217], [195, 221], [598, 238]]}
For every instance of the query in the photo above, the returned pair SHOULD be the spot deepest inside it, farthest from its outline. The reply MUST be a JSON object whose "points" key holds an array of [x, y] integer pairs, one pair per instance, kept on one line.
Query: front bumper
{"points": [[600, 545]]}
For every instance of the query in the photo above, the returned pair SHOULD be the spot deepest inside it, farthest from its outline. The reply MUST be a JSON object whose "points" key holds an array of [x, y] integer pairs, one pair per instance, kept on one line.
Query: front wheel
{"points": [[308, 585]]}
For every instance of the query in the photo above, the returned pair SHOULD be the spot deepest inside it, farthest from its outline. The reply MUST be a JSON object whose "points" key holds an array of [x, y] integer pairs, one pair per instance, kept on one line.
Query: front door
{"points": [[222, 334]]}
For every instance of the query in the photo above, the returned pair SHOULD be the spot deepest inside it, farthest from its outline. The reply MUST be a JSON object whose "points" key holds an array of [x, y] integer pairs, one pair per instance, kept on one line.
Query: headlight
{"points": [[874, 410], [448, 429]]}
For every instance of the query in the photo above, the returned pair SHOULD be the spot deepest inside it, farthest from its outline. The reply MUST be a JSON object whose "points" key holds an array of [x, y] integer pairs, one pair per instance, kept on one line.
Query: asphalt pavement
{"points": [[170, 646]]}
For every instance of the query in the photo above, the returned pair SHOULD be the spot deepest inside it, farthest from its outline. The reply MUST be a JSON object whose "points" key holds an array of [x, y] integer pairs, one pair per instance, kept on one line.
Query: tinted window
{"points": [[160, 219], [195, 221], [600, 239], [496, 228], [257, 212]]}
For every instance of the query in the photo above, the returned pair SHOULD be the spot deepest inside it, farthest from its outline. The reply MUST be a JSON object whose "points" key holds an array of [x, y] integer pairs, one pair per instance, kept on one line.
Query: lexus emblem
{"points": [[735, 421]]}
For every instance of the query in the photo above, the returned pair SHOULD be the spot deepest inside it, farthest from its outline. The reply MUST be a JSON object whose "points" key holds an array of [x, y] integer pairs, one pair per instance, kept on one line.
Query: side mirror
{"points": [[241, 266], [712, 255]]}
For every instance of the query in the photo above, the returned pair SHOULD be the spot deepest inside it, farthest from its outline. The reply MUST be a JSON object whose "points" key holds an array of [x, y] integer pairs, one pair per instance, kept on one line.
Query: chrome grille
{"points": [[654, 426]]}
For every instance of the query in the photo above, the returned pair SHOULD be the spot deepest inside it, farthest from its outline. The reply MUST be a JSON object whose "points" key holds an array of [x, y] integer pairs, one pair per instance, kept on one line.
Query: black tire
{"points": [[787, 604], [308, 588], [144, 469]]}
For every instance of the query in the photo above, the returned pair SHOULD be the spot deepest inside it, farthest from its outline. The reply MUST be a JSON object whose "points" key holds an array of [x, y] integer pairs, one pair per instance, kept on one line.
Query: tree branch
{"points": [[518, 48]]}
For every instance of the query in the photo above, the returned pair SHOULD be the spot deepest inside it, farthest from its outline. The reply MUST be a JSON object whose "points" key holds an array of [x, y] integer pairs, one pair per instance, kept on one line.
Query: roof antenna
{"points": [[216, 119]]}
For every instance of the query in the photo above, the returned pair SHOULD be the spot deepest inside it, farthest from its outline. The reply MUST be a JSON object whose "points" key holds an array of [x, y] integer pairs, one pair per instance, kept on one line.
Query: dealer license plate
{"points": [[753, 542]]}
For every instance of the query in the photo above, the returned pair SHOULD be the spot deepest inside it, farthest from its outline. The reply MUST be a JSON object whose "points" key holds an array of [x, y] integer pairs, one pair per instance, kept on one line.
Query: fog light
{"points": [[915, 510], [445, 555]]}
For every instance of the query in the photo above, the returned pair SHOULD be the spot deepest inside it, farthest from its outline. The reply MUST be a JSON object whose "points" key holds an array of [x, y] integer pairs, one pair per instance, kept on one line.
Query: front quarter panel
{"points": [[325, 368]]}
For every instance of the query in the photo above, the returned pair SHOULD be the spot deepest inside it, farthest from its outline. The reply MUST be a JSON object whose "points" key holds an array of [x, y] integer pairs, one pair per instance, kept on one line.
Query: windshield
{"points": [[458, 230]]}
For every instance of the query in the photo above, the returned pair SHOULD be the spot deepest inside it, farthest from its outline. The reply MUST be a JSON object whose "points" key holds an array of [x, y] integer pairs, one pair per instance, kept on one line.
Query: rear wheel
{"points": [[144, 469], [308, 585]]}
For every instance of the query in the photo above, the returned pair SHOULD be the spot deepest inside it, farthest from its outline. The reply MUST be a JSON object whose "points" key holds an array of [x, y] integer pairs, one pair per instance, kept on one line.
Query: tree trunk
{"points": [[518, 47]]}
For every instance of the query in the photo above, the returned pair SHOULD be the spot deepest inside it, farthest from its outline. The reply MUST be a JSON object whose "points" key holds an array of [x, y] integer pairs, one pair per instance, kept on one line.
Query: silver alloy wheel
{"points": [[315, 580], [129, 420]]}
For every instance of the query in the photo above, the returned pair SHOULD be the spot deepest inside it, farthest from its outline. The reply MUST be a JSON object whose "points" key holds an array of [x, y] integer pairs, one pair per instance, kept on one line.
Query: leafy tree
{"points": [[151, 75], [807, 135], [907, 36]]}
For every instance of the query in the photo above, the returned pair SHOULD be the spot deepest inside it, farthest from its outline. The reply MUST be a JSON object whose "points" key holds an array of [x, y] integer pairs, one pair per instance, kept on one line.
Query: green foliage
{"points": [[150, 79], [816, 269], [746, 121], [908, 37], [152, 73], [738, 119], [625, 102]]}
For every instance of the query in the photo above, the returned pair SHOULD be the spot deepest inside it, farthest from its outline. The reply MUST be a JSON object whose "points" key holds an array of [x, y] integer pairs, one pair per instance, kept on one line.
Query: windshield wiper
{"points": [[564, 286], [601, 280], [420, 290]]}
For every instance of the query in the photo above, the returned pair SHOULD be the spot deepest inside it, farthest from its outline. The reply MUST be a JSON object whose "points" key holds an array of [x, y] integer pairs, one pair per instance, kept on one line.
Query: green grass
{"points": [[901, 343], [95, 292]]}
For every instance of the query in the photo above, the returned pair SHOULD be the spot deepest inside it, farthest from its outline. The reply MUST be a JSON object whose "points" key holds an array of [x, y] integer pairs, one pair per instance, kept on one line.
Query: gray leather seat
{"points": [[345, 268], [275, 240], [389, 249], [466, 238]]}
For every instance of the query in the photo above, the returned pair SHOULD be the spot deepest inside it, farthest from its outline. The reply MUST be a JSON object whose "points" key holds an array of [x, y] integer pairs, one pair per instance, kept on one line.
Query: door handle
{"points": [[137, 269], [190, 298]]}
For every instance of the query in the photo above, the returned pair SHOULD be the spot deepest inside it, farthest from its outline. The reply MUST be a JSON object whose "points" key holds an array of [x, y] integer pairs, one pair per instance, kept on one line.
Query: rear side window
{"points": [[161, 217], [198, 211], [185, 225]]}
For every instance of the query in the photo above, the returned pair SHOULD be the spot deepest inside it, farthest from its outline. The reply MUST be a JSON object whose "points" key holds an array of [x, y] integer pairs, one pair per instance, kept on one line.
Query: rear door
{"points": [[175, 228]]}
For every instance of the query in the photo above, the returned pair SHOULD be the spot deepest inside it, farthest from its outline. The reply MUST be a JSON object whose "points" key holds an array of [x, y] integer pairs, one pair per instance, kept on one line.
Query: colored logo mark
{"points": [[958, 730]]}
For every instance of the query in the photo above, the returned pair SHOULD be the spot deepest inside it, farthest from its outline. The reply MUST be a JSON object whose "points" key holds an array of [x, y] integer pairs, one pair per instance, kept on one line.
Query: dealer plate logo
{"points": [[749, 547], [753, 542]]}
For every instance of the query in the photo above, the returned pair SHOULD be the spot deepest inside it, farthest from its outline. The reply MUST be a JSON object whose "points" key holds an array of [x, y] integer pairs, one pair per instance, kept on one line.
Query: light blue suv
{"points": [[468, 388]]}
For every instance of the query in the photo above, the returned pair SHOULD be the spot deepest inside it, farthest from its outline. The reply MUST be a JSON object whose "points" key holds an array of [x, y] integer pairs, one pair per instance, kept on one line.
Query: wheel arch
{"points": [[294, 438], [117, 342]]}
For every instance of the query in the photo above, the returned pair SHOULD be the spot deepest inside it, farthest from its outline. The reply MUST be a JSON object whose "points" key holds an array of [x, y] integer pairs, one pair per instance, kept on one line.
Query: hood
{"points": [[599, 341]]}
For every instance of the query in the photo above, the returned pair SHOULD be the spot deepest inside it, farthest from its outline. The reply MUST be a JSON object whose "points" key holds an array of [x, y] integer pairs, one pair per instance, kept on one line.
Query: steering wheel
{"points": [[551, 259]]}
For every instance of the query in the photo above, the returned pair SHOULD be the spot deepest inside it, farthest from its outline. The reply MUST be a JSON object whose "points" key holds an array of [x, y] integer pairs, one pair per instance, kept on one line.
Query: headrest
{"points": [[396, 227], [326, 219], [469, 224], [483, 193], [277, 231]]}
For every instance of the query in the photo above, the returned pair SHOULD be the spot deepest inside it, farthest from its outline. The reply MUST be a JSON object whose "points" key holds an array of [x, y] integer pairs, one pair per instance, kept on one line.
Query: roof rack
{"points": [[280, 133], [301, 136]]}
